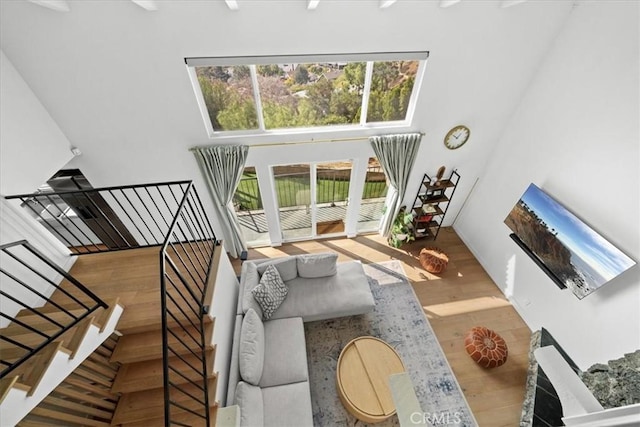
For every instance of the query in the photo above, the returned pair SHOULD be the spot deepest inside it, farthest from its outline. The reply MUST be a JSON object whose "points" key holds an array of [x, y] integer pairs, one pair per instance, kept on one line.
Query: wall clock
{"points": [[456, 137]]}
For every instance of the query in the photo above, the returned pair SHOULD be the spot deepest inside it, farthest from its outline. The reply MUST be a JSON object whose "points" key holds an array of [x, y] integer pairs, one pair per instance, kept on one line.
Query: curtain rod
{"points": [[311, 141]]}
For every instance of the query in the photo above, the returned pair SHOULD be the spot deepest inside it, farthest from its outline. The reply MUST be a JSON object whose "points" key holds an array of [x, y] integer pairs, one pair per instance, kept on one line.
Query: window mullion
{"points": [[365, 95], [256, 96]]}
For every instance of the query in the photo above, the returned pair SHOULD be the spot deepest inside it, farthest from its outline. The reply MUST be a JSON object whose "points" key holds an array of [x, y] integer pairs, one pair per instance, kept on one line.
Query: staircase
{"points": [[164, 278], [84, 398], [33, 381], [140, 378]]}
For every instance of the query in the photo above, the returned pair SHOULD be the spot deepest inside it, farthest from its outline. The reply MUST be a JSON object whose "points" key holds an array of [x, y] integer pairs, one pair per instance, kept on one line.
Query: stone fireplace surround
{"points": [[614, 384]]}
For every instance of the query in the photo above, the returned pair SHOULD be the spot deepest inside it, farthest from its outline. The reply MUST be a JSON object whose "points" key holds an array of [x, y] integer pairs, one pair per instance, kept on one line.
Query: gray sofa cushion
{"points": [[317, 265], [286, 266], [288, 405], [270, 292], [234, 368], [285, 356], [345, 294], [252, 348], [249, 280], [249, 399]]}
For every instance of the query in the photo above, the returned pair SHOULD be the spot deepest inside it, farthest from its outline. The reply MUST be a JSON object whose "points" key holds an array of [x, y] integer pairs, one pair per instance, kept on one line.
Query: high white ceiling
{"points": [[112, 74]]}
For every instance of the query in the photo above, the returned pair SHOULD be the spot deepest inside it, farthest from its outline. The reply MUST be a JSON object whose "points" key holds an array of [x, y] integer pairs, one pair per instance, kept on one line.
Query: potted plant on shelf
{"points": [[401, 229]]}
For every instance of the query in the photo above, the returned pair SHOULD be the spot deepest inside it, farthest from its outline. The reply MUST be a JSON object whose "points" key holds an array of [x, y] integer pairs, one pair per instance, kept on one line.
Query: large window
{"points": [[261, 94]]}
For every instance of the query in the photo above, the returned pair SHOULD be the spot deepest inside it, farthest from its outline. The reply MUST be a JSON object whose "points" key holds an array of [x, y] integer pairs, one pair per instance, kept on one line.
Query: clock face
{"points": [[456, 137]]}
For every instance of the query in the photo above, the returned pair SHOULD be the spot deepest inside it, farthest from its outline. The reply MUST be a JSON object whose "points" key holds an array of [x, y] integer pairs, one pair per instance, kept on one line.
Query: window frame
{"points": [[253, 61]]}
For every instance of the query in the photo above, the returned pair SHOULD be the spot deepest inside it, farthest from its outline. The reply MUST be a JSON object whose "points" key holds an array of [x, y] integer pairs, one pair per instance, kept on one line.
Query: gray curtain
{"points": [[396, 154], [222, 167]]}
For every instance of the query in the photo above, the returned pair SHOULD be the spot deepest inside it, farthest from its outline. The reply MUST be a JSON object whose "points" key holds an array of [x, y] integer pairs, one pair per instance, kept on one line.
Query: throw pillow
{"points": [[249, 399], [287, 267], [251, 348], [270, 292], [317, 265]]}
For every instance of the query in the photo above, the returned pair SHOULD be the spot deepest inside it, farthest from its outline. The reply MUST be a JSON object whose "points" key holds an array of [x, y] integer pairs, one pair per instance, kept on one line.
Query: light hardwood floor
{"points": [[454, 301]]}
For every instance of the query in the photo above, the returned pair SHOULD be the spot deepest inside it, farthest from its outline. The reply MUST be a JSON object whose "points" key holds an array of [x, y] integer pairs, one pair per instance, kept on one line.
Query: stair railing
{"points": [[170, 216], [185, 262], [22, 263], [107, 219]]}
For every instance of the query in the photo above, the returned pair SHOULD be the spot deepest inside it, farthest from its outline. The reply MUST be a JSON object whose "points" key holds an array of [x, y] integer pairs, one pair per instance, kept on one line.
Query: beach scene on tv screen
{"points": [[575, 253]]}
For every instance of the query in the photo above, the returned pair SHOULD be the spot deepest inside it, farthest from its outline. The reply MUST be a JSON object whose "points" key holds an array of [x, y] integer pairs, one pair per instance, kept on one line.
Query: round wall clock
{"points": [[456, 137]]}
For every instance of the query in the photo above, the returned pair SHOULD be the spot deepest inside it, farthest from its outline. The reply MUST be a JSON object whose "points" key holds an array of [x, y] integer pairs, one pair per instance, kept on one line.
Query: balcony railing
{"points": [[107, 219]]}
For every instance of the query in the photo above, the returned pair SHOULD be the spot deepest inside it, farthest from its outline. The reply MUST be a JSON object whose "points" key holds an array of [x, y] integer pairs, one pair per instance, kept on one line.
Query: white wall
{"points": [[32, 146], [113, 75], [576, 135], [32, 149]]}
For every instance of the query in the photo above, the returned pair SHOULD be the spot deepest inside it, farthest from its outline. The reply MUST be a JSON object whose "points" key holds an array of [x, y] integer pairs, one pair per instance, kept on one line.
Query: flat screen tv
{"points": [[573, 254]]}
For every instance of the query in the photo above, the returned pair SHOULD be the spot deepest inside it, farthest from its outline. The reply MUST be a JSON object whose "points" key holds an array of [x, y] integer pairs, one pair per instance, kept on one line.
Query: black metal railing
{"points": [[107, 219], [30, 279], [186, 259], [170, 216], [333, 186]]}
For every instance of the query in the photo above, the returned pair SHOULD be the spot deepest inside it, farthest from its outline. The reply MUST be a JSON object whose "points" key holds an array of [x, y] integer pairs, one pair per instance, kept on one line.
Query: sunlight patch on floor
{"points": [[453, 308]]}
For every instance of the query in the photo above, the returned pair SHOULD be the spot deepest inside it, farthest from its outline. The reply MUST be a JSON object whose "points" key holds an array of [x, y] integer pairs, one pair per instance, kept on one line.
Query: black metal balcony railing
{"points": [[106, 219], [21, 260], [292, 189], [172, 217]]}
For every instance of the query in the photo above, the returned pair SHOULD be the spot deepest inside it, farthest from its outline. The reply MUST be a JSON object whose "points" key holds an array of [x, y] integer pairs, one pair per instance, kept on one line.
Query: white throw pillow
{"points": [[249, 399], [317, 265], [270, 292], [251, 348]]}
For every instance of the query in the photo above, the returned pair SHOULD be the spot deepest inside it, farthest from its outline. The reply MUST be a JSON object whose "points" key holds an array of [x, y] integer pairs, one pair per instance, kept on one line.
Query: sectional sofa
{"points": [[269, 376]]}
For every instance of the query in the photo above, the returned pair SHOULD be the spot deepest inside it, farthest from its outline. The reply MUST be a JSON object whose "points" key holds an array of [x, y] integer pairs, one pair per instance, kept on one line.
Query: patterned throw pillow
{"points": [[270, 292]]}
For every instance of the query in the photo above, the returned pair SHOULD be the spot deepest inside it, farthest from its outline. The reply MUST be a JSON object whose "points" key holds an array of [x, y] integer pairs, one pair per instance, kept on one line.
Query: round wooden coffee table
{"points": [[363, 371]]}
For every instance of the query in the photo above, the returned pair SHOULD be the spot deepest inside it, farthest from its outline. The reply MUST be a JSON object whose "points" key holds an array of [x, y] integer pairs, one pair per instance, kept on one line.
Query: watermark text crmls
{"points": [[436, 418]]}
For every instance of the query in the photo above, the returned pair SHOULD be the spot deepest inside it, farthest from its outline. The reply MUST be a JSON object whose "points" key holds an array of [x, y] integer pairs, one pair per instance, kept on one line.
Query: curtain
{"points": [[222, 167], [396, 154]]}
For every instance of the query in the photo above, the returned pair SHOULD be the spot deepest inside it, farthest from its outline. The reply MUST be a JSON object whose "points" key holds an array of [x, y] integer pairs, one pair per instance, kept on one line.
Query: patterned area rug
{"points": [[399, 320]]}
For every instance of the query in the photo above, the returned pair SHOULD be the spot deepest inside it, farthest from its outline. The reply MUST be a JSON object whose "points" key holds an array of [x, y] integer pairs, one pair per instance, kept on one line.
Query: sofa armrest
{"points": [[234, 367]]}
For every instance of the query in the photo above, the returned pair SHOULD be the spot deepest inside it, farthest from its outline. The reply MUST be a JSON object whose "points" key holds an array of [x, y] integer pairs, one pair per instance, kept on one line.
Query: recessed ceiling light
{"points": [[232, 4], [149, 5], [386, 3], [57, 5], [313, 4], [447, 3], [509, 3]]}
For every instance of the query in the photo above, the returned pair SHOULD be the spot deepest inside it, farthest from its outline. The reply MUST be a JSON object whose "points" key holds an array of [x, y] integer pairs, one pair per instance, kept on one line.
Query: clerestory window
{"points": [[253, 95]]}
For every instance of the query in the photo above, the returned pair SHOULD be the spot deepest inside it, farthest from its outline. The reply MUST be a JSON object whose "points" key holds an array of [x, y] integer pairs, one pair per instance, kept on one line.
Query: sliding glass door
{"points": [[312, 198]]}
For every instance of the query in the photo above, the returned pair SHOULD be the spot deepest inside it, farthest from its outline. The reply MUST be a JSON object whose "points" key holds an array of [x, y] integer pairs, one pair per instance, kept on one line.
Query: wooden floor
{"points": [[460, 298]]}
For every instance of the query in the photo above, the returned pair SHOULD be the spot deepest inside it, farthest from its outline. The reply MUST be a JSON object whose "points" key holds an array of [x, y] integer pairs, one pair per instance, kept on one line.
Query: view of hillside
{"points": [[306, 95], [543, 242]]}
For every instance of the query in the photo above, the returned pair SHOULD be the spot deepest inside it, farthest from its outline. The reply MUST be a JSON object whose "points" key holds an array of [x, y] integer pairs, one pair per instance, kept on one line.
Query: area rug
{"points": [[399, 320]]}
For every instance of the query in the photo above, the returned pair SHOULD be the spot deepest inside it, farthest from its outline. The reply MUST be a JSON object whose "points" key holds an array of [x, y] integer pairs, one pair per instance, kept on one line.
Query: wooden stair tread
{"points": [[148, 345], [40, 323], [142, 317], [149, 404], [184, 418], [146, 375], [12, 352], [69, 418]]}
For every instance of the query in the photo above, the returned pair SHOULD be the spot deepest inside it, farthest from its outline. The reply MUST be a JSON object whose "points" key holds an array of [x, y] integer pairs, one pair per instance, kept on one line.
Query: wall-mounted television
{"points": [[573, 254]]}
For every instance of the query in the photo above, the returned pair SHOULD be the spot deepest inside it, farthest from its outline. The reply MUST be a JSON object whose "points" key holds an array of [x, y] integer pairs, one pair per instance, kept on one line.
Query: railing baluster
{"points": [[149, 212], [128, 216], [36, 264]]}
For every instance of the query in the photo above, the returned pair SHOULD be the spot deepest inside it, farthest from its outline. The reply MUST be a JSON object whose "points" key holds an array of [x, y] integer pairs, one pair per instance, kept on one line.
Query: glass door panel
{"points": [[332, 196], [247, 202], [293, 193], [373, 196]]}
